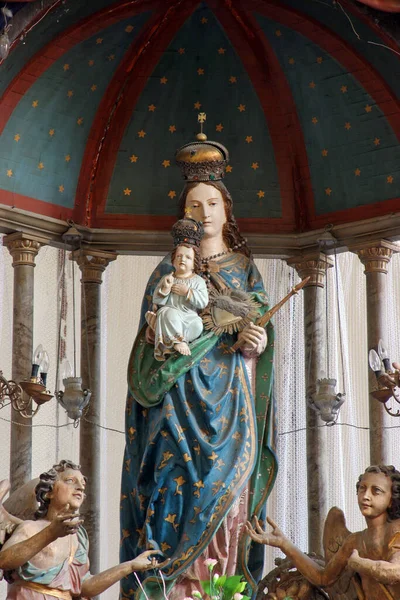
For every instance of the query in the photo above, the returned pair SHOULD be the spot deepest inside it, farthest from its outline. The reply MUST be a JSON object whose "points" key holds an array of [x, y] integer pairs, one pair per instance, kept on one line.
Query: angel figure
{"points": [[373, 555], [47, 557], [180, 295]]}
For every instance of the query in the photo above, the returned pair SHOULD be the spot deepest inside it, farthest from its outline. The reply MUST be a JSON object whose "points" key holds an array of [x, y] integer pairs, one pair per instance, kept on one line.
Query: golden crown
{"points": [[202, 160]]}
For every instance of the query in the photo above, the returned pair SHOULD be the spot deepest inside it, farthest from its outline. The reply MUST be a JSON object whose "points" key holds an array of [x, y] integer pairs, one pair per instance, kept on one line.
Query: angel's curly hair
{"points": [[394, 475], [46, 484]]}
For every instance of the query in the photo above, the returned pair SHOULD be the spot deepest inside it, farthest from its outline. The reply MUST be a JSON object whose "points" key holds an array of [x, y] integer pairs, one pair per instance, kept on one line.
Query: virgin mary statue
{"points": [[199, 457]]}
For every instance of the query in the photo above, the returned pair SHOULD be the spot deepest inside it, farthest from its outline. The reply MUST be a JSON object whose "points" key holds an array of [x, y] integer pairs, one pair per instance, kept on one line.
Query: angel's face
{"points": [[374, 494], [68, 489]]}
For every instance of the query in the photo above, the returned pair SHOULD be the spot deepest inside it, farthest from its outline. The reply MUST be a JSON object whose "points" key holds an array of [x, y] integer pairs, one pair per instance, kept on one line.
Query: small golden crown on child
{"points": [[187, 231], [202, 160]]}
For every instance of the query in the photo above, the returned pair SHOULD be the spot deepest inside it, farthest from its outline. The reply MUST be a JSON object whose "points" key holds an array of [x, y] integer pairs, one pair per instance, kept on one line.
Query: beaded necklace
{"points": [[206, 260]]}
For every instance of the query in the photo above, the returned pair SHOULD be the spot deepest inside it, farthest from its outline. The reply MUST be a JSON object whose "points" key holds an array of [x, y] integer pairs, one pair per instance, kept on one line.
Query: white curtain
{"points": [[54, 436]]}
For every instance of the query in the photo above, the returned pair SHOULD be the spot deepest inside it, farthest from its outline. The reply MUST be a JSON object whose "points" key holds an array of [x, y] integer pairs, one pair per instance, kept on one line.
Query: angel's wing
{"points": [[8, 522], [22, 503], [335, 533]]}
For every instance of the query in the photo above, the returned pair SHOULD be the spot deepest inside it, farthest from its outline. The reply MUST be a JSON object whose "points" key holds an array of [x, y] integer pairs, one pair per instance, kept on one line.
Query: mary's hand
{"points": [[253, 340]]}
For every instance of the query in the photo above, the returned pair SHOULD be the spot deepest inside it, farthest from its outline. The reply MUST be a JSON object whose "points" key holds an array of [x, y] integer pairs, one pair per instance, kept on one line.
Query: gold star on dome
{"points": [[200, 71], [152, 107], [172, 193], [324, 152], [278, 33], [163, 80], [40, 166], [261, 193], [314, 120], [319, 59], [291, 60], [377, 141], [357, 172], [229, 169], [52, 132], [343, 89], [254, 166], [94, 87], [241, 108], [9, 173], [197, 105], [219, 127], [181, 51], [91, 62], [312, 84], [99, 41], [166, 163], [347, 126], [66, 67], [221, 50], [249, 139], [111, 57], [368, 108], [67, 158], [35, 103], [172, 128], [389, 179], [129, 28], [141, 133], [204, 20], [79, 120], [133, 158], [70, 93], [328, 191], [127, 191], [61, 188], [17, 137], [232, 79]]}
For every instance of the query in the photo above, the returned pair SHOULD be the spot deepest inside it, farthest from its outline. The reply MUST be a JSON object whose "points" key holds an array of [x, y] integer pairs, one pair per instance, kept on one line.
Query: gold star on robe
{"points": [[261, 193], [324, 152], [172, 194], [166, 163], [133, 158], [67, 157], [163, 80], [141, 133], [9, 173], [232, 79], [127, 192], [389, 179], [111, 57], [61, 188], [66, 67], [80, 121], [241, 108], [314, 120], [40, 166], [51, 132], [17, 137], [254, 166], [347, 126], [70, 93], [319, 59], [368, 108], [219, 127], [377, 141], [343, 89], [181, 51], [35, 103], [200, 71], [172, 128], [357, 172], [152, 107], [94, 87], [221, 50], [99, 41], [328, 191], [197, 105], [249, 139]]}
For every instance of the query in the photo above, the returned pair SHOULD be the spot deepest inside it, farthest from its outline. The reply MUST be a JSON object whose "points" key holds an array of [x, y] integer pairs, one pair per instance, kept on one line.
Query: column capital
{"points": [[313, 265], [92, 263], [24, 248], [375, 255]]}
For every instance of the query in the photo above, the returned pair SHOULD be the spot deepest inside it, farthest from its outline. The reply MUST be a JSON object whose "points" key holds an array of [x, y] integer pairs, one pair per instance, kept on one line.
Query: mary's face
{"points": [[205, 203]]}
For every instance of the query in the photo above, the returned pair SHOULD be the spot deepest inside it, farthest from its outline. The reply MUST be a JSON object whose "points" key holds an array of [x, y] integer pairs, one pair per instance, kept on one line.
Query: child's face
{"points": [[184, 260], [374, 494]]}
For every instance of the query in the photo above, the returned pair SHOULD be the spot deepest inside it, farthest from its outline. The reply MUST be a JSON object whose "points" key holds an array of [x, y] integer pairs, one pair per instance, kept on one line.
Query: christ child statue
{"points": [[180, 295]]}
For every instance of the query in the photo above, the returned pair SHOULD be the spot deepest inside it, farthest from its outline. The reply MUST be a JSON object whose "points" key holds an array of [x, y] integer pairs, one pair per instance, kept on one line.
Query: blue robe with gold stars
{"points": [[195, 436]]}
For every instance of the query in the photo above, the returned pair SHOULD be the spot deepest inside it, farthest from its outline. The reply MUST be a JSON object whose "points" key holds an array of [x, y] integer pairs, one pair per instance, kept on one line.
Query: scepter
{"points": [[265, 319]]}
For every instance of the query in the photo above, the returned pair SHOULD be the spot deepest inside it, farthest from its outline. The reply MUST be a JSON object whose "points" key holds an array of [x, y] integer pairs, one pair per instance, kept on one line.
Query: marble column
{"points": [[23, 249], [375, 256], [92, 264], [314, 266]]}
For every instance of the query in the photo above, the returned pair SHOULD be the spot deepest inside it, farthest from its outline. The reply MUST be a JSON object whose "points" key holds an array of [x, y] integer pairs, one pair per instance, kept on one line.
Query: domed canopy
{"points": [[98, 98]]}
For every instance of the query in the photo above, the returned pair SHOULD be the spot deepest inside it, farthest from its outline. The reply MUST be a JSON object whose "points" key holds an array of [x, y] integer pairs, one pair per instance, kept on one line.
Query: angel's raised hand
{"points": [[145, 561], [65, 523], [274, 538]]}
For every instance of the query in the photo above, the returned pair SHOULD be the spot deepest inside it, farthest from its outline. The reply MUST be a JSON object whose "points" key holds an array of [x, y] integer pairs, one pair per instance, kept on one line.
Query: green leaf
{"points": [[221, 581], [206, 585], [241, 587], [232, 583]]}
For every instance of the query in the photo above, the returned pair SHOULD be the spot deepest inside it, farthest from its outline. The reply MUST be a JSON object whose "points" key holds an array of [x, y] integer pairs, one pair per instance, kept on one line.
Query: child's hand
{"points": [[180, 288]]}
